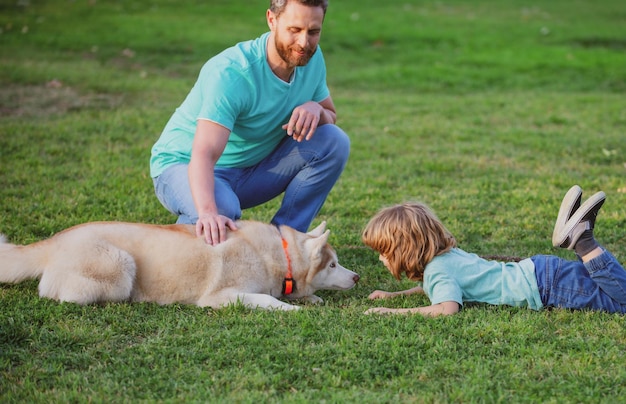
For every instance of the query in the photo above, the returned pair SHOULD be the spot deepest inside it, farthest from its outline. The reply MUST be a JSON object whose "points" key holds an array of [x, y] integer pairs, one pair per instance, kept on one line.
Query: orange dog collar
{"points": [[289, 284]]}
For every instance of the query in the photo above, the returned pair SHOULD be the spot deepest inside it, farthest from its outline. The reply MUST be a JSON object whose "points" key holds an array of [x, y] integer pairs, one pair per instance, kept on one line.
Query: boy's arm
{"points": [[381, 294], [443, 308]]}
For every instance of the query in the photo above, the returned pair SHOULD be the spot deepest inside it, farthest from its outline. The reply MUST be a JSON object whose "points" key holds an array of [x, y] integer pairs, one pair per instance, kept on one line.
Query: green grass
{"points": [[486, 110]]}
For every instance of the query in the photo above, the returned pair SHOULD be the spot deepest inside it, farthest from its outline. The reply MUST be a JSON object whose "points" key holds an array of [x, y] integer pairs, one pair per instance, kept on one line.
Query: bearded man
{"points": [[259, 122]]}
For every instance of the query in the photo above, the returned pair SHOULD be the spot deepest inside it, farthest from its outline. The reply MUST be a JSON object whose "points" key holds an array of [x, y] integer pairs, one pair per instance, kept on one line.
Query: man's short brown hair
{"points": [[278, 6]]}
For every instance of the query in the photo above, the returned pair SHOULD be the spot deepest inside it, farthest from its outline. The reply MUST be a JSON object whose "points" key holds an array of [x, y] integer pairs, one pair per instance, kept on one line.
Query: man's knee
{"points": [[230, 211], [227, 201], [336, 140]]}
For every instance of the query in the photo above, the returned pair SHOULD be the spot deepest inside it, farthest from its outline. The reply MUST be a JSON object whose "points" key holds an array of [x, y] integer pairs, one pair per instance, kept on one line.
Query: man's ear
{"points": [[271, 19]]}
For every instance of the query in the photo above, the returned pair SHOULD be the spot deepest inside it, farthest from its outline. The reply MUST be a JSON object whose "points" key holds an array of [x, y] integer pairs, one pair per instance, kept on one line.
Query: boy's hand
{"points": [[380, 294]]}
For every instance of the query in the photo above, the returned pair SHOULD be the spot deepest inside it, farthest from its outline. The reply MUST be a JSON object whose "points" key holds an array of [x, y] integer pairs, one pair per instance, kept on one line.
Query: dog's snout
{"points": [[356, 278]]}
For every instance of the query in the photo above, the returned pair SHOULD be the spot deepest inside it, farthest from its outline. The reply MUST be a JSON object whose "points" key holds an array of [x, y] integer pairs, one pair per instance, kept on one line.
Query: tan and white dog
{"points": [[114, 261]]}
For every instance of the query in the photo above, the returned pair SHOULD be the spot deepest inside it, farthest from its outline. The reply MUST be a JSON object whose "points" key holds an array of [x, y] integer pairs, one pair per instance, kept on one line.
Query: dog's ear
{"points": [[316, 244], [323, 239], [316, 232]]}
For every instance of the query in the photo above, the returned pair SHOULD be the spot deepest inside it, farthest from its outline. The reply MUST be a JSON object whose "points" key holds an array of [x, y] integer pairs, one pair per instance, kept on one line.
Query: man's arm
{"points": [[208, 145], [329, 114], [307, 117]]}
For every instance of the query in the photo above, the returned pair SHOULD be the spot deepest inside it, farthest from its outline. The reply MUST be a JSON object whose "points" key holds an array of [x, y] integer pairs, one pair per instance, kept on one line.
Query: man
{"points": [[258, 122]]}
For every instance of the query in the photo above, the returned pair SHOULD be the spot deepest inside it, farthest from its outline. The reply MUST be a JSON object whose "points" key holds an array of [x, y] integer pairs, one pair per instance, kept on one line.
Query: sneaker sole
{"points": [[571, 199], [585, 208]]}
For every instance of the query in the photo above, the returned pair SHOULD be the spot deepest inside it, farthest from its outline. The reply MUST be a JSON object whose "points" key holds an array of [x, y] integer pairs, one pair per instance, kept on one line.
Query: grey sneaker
{"points": [[566, 234], [570, 204]]}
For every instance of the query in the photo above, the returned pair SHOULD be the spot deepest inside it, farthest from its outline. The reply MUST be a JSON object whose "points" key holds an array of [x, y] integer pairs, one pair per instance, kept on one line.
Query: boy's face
{"points": [[384, 261]]}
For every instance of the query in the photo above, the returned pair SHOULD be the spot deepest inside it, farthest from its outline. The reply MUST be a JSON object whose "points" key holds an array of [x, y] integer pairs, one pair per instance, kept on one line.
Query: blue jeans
{"points": [[305, 172], [599, 284]]}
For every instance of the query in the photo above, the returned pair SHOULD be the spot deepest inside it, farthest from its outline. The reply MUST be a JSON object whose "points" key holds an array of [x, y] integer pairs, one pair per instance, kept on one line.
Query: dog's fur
{"points": [[115, 261]]}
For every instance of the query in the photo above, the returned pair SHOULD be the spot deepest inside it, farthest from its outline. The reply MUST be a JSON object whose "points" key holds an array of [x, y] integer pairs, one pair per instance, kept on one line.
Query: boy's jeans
{"points": [[305, 172], [599, 284]]}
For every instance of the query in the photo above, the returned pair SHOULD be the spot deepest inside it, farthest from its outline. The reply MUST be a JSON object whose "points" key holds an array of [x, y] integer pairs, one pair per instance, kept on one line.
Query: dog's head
{"points": [[319, 268]]}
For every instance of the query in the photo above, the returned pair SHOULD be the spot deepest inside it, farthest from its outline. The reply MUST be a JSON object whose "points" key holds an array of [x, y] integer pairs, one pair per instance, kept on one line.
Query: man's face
{"points": [[297, 32]]}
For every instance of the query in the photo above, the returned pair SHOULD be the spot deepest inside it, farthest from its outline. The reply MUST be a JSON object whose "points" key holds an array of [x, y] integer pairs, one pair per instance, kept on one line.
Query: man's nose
{"points": [[303, 40]]}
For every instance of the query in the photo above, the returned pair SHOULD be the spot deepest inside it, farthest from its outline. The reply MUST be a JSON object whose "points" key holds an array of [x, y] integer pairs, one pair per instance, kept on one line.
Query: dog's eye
{"points": [[332, 265]]}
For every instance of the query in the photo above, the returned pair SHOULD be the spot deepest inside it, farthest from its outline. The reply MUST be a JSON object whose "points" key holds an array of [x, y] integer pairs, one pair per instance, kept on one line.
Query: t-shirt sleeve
{"points": [[321, 91], [222, 96], [439, 287]]}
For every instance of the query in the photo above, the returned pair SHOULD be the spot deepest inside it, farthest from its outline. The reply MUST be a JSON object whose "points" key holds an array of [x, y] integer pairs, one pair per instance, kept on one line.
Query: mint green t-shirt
{"points": [[238, 90], [459, 276]]}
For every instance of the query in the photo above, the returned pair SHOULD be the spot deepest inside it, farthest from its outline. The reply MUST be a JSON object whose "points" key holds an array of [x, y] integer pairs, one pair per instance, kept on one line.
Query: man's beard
{"points": [[287, 56]]}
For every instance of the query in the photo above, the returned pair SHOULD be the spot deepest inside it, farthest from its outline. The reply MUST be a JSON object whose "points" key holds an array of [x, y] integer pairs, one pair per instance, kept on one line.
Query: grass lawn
{"points": [[486, 110]]}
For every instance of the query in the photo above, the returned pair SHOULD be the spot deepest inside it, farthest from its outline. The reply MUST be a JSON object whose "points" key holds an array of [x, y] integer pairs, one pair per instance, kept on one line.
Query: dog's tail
{"points": [[18, 263]]}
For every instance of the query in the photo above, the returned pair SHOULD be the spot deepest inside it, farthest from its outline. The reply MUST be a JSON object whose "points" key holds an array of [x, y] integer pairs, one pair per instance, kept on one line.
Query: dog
{"points": [[258, 265]]}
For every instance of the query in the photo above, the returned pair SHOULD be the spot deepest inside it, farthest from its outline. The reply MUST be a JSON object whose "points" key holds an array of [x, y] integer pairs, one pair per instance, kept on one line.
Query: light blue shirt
{"points": [[238, 90], [459, 276]]}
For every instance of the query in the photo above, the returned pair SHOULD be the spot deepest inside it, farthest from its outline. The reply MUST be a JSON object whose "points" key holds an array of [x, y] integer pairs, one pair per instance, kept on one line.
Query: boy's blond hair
{"points": [[409, 236]]}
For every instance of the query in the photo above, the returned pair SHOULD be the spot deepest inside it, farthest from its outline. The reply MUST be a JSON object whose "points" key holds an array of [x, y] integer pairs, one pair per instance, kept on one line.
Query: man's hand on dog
{"points": [[213, 227]]}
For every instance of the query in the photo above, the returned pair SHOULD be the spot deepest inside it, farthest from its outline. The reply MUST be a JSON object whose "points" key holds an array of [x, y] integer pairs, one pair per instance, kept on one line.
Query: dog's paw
{"points": [[313, 299]]}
